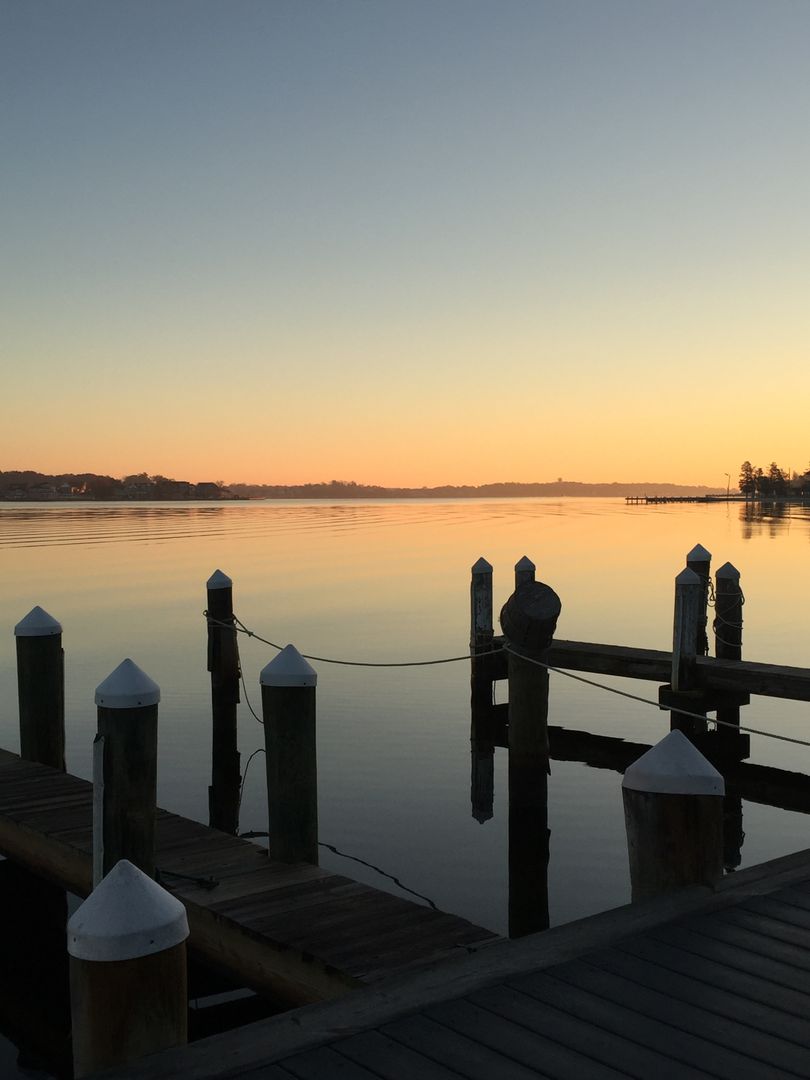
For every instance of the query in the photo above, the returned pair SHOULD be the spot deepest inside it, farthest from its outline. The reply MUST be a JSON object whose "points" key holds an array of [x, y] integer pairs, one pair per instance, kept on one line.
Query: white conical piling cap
{"points": [[289, 668], [674, 766], [218, 580], [699, 554], [37, 623], [127, 916], [128, 687], [727, 571], [687, 577], [524, 564], [482, 566]]}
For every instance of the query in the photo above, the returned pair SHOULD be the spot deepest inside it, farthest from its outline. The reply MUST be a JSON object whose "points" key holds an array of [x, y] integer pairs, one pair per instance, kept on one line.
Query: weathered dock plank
{"points": [[298, 932], [666, 988]]}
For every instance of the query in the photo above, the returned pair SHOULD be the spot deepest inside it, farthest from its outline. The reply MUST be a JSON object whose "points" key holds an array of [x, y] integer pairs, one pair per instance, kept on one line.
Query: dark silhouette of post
{"points": [[689, 591], [41, 688], [125, 756], [699, 561], [528, 620], [223, 663], [128, 981], [288, 709], [673, 811]]}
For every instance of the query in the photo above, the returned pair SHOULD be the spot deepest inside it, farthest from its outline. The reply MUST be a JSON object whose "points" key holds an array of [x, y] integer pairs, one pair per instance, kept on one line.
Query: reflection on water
{"points": [[390, 581]]}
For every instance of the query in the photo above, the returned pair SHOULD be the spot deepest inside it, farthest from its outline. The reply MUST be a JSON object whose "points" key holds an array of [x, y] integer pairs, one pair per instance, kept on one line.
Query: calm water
{"points": [[390, 581]]}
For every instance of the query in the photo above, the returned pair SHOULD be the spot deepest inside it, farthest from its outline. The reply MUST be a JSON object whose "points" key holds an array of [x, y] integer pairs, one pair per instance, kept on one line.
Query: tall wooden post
{"points": [[699, 561], [689, 591], [481, 631], [728, 645], [41, 688], [288, 708], [673, 811], [128, 982], [528, 620], [524, 571], [127, 703], [481, 641], [223, 663]]}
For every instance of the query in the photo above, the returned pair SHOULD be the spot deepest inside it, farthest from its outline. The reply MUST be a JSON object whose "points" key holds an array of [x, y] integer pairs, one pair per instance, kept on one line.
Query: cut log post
{"points": [[127, 703], [528, 620], [673, 811], [128, 982], [223, 663], [41, 688], [699, 560], [728, 619], [524, 571], [288, 709]]}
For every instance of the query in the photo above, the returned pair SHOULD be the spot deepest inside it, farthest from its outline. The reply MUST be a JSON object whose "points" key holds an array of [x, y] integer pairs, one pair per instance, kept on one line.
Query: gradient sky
{"points": [[407, 242]]}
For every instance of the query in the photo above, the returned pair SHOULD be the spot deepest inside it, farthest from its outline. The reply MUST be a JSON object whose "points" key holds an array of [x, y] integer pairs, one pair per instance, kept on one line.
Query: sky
{"points": [[406, 242]]}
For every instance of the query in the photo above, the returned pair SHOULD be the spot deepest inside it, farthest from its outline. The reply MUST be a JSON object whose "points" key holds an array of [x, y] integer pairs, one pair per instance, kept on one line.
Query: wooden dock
{"points": [[701, 983], [296, 932]]}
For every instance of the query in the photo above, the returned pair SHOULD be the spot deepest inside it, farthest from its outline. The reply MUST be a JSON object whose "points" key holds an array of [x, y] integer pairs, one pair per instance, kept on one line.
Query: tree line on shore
{"points": [[773, 481]]}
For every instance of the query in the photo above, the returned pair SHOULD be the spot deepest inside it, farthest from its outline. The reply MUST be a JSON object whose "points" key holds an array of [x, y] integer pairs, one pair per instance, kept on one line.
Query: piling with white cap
{"points": [[223, 663], [673, 811], [41, 688], [125, 769], [288, 685], [128, 982]]}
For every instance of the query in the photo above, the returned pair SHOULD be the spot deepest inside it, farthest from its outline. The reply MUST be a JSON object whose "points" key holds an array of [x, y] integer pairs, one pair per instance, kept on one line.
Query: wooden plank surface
{"points": [[299, 932]]}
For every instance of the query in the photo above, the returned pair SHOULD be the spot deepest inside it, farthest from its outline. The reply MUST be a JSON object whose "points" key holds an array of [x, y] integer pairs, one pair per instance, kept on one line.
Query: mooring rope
{"points": [[252, 834], [239, 626]]}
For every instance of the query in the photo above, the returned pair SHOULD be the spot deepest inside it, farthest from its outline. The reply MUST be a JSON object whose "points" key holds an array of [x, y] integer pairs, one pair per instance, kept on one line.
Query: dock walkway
{"points": [[701, 983], [297, 932]]}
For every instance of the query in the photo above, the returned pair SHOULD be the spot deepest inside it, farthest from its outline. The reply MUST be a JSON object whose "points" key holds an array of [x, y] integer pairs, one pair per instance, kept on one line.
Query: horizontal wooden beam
{"points": [[655, 665]]}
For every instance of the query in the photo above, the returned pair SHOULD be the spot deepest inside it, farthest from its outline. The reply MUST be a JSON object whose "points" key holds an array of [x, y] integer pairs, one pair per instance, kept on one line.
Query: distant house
{"points": [[208, 491], [173, 489], [42, 491]]}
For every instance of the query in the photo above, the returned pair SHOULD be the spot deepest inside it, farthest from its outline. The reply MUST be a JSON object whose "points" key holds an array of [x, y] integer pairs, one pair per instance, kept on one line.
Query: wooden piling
{"points": [[223, 663], [728, 618], [528, 619], [524, 571], [673, 810], [288, 709], [41, 688], [481, 629], [128, 982], [127, 703], [688, 590], [699, 561]]}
